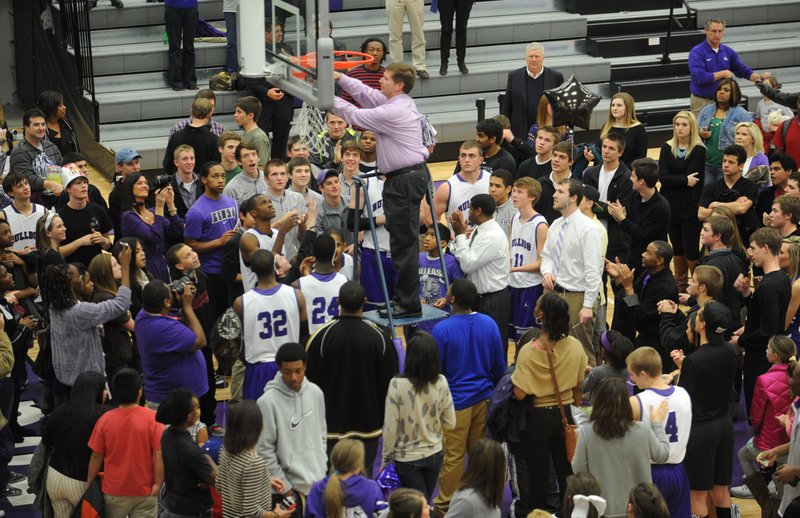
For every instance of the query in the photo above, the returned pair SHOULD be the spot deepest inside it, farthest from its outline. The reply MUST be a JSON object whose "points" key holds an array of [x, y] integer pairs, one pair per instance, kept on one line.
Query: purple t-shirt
{"points": [[431, 281], [168, 361], [206, 221]]}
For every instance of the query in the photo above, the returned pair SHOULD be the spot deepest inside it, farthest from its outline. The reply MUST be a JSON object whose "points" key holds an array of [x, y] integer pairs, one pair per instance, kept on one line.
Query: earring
{"points": [[538, 321]]}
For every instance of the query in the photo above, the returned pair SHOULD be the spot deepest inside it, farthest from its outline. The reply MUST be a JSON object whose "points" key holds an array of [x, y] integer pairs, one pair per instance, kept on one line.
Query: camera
{"points": [[160, 181], [179, 285]]}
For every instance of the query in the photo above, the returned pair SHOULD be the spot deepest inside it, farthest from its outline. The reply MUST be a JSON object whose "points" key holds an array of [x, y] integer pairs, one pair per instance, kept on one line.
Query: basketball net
{"points": [[310, 121]]}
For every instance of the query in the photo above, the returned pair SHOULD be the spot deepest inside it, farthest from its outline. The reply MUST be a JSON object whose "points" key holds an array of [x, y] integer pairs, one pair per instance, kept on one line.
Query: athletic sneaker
{"points": [[219, 381], [741, 492], [13, 477], [735, 512], [11, 491], [216, 430]]}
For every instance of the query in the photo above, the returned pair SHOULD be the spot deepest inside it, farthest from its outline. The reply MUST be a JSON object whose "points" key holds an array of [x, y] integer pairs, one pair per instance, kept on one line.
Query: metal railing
{"points": [[77, 36]]}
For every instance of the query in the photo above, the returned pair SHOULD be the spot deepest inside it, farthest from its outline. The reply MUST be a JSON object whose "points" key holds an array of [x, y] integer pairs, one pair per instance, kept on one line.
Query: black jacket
{"points": [[731, 266], [352, 360], [515, 101], [620, 189], [645, 223]]}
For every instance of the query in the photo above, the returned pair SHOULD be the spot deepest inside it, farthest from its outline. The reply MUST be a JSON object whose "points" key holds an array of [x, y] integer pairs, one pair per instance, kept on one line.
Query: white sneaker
{"points": [[741, 492], [773, 491], [735, 512]]}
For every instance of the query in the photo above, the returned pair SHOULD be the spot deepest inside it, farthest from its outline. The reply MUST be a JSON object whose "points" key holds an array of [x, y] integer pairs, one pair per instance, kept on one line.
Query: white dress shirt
{"points": [[579, 269], [484, 257]]}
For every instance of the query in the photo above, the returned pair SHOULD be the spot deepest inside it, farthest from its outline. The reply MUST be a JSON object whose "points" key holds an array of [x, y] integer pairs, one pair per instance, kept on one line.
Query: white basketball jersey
{"points": [[347, 266], [461, 192], [321, 292], [23, 227], [265, 242], [679, 419], [271, 319], [375, 191], [524, 250]]}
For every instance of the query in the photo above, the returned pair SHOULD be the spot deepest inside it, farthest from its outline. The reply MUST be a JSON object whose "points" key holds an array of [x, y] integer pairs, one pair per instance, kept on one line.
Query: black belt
{"points": [[706, 98], [494, 293], [561, 289], [409, 169]]}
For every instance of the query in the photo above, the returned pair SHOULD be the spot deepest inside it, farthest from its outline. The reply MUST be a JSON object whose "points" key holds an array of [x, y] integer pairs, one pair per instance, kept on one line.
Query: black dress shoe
{"points": [[117, 3], [406, 313], [423, 74], [382, 311], [443, 69], [92, 4], [190, 87], [462, 67]]}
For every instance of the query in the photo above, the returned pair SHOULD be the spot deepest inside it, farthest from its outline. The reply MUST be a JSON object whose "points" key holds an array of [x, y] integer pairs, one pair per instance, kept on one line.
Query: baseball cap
{"points": [[717, 318], [593, 194], [68, 175], [325, 174], [126, 155]]}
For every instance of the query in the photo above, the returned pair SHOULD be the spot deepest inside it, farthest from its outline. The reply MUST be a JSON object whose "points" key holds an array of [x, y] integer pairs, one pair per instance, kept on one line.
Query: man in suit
{"points": [[524, 89]]}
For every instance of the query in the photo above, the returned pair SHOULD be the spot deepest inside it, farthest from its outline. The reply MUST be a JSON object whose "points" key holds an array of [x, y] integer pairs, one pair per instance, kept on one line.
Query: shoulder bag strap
{"points": [[555, 387]]}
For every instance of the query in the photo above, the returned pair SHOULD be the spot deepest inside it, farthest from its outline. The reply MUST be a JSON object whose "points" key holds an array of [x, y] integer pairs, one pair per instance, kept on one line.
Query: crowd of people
{"points": [[250, 243]]}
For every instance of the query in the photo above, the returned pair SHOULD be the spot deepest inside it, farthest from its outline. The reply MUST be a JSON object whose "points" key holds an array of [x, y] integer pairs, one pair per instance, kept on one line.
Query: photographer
{"points": [[153, 228], [169, 347]]}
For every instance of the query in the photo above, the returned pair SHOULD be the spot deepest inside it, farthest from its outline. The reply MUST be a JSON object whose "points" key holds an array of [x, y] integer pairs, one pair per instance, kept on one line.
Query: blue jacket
{"points": [[471, 356], [733, 117]]}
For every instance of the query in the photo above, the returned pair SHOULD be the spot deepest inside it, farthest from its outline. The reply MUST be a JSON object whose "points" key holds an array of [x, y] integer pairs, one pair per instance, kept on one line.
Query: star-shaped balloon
{"points": [[572, 103]]}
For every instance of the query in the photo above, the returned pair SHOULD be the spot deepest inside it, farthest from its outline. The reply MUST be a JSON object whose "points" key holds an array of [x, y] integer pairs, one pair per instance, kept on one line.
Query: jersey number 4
{"points": [[671, 427], [320, 308], [273, 324]]}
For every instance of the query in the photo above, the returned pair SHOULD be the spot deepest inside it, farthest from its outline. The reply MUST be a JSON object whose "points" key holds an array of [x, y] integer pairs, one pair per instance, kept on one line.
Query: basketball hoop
{"points": [[310, 121], [309, 61]]}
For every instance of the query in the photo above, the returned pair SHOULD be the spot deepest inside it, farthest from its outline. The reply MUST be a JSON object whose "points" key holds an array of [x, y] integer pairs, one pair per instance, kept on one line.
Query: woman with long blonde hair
{"points": [[789, 259], [756, 167], [622, 120], [346, 489], [680, 170]]}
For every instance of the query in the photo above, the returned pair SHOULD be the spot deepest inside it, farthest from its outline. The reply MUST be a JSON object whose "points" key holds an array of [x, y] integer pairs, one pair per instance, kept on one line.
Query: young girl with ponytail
{"points": [[771, 398], [345, 488]]}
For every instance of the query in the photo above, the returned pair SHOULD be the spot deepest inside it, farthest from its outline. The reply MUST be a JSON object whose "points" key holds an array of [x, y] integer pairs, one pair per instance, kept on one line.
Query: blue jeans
{"points": [[421, 474], [712, 174], [231, 50]]}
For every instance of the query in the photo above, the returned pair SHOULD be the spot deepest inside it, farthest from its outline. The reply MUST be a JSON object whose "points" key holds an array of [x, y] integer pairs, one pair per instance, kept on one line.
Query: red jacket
{"points": [[770, 399]]}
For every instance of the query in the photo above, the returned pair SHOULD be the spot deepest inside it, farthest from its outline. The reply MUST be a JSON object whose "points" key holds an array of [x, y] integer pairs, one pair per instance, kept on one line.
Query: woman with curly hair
{"points": [[59, 130], [74, 334], [618, 450], [543, 439]]}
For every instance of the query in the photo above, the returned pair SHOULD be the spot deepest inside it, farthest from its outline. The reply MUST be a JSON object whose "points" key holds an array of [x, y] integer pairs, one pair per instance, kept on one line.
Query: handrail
{"points": [[78, 36]]}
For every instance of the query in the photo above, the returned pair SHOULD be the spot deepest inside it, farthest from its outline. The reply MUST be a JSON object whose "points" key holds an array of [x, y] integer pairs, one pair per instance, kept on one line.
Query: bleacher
{"points": [[607, 51]]}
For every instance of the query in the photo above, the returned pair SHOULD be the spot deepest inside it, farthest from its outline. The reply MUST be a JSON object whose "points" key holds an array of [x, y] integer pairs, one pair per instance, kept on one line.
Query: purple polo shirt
{"points": [[168, 359], [703, 62]]}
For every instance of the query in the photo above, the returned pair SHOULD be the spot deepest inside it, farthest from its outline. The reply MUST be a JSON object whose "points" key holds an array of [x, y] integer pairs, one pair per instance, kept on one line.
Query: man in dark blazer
{"points": [[524, 89]]}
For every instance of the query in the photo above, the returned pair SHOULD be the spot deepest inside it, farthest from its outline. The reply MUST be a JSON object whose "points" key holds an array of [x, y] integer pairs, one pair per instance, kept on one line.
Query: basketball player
{"points": [[528, 234], [261, 236], [458, 190], [273, 316], [321, 288], [644, 368]]}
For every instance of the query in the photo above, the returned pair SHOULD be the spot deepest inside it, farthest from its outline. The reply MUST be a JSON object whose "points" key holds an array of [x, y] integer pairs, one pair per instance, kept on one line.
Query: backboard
{"points": [[300, 60]]}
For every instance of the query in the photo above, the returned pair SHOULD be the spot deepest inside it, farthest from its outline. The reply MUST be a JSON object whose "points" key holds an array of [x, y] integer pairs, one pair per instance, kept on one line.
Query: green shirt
{"points": [[713, 152], [230, 174]]}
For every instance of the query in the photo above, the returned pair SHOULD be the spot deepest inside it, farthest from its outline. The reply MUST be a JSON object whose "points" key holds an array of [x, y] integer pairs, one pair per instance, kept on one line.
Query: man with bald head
{"points": [[525, 87]]}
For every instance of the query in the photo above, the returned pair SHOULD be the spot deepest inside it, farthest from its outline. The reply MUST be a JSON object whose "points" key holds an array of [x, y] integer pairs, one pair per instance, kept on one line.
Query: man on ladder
{"points": [[392, 114]]}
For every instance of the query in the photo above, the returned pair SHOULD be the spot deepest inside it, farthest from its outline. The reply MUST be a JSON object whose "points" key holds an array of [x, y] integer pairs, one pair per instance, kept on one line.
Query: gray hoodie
{"points": [[293, 441]]}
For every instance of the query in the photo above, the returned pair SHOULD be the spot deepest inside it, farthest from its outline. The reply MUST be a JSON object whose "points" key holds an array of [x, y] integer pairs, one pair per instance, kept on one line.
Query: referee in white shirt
{"points": [[484, 259], [569, 261]]}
